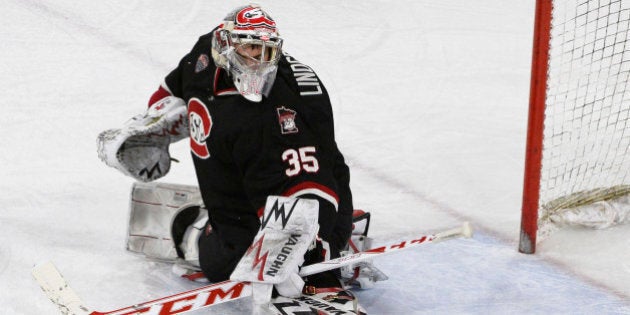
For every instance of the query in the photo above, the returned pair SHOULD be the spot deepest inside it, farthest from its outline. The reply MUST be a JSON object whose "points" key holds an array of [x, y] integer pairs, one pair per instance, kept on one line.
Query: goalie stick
{"points": [[68, 302]]}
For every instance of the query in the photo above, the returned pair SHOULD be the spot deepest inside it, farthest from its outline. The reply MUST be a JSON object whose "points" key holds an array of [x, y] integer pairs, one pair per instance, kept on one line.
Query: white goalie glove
{"points": [[140, 148]]}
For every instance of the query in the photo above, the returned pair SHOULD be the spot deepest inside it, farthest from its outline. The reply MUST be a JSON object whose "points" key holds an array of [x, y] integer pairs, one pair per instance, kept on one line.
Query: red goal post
{"points": [[577, 156]]}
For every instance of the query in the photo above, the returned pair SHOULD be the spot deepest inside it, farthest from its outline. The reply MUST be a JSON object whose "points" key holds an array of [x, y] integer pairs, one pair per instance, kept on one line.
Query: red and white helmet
{"points": [[248, 46]]}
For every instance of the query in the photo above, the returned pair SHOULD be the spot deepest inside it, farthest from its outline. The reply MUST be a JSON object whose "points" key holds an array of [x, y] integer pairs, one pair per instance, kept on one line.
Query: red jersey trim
{"points": [[230, 91], [161, 93], [315, 189], [309, 188]]}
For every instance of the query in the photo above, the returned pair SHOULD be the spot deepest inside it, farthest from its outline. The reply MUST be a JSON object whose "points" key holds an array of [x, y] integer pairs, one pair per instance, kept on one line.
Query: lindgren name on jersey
{"points": [[305, 76]]}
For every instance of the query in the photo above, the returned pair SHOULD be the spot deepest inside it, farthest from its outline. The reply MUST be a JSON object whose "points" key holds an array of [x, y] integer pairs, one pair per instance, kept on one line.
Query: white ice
{"points": [[430, 100]]}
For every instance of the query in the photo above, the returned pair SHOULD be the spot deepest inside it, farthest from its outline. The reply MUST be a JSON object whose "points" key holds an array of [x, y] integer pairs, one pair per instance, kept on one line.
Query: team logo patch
{"points": [[286, 118], [251, 18], [200, 123], [202, 63]]}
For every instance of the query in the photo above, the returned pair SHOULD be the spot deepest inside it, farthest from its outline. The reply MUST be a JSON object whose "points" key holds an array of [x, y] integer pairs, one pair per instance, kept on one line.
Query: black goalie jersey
{"points": [[245, 151]]}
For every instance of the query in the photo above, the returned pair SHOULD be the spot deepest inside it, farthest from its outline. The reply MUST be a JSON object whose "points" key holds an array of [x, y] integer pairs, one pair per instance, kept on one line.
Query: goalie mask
{"points": [[248, 46]]}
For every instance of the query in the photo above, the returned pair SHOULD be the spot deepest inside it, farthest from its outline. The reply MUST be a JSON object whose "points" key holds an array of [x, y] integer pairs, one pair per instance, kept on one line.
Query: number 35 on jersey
{"points": [[302, 159]]}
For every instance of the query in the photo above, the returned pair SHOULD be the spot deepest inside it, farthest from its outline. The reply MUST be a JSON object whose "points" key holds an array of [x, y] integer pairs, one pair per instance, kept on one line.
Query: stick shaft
{"points": [[60, 293]]}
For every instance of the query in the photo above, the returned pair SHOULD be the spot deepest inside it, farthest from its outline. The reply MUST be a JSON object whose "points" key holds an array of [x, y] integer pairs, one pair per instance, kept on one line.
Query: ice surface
{"points": [[430, 100]]}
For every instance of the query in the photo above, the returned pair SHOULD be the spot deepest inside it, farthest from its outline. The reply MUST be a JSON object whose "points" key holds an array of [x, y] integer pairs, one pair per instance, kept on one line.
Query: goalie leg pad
{"points": [[362, 275], [187, 243], [288, 227], [287, 230], [153, 209]]}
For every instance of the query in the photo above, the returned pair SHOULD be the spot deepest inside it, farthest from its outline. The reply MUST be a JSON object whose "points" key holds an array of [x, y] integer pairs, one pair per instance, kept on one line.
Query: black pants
{"points": [[219, 253], [218, 256]]}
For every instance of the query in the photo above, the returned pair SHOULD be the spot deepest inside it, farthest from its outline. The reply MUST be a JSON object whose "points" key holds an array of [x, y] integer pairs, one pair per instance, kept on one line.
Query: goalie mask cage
{"points": [[578, 137]]}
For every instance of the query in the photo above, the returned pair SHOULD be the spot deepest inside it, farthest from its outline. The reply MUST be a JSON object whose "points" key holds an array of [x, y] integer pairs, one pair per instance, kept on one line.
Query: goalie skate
{"points": [[363, 274], [322, 294], [336, 301]]}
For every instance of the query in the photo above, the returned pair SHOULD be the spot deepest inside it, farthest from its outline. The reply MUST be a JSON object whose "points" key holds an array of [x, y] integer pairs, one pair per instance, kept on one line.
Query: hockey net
{"points": [[578, 148]]}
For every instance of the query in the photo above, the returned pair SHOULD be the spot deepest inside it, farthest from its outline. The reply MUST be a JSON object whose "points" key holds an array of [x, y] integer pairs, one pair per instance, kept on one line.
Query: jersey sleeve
{"points": [[173, 83], [171, 86], [343, 224], [323, 124]]}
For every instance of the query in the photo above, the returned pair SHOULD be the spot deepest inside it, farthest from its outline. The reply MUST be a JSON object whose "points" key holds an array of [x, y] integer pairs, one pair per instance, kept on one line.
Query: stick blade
{"points": [[467, 230], [57, 290], [463, 231]]}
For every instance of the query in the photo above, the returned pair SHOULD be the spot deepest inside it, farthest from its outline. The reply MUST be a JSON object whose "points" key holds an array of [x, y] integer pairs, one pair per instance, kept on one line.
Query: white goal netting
{"points": [[586, 155]]}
